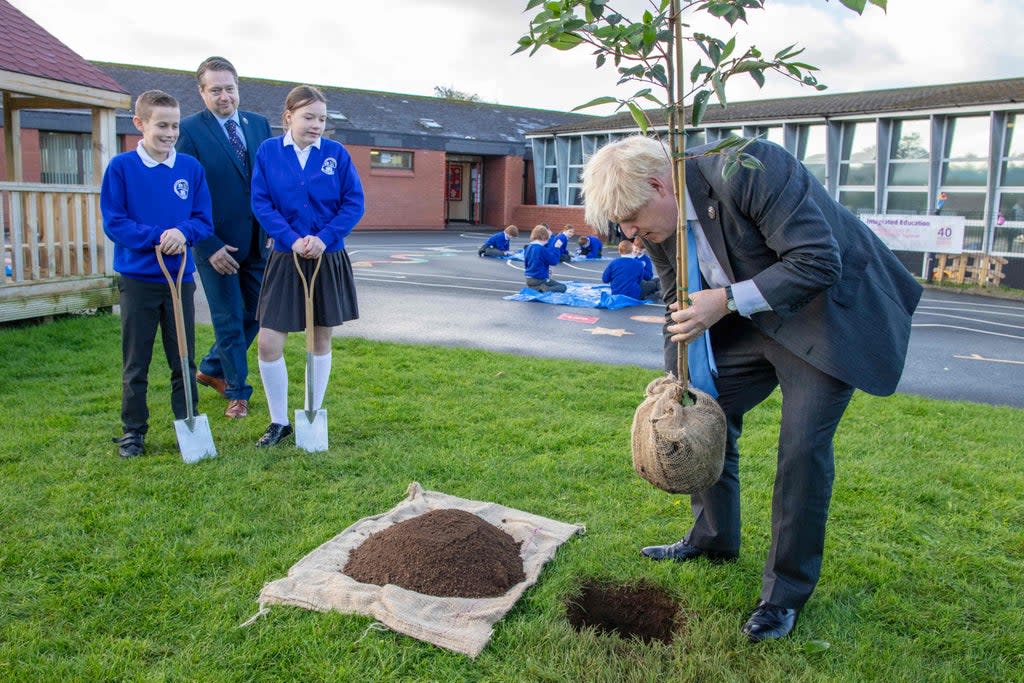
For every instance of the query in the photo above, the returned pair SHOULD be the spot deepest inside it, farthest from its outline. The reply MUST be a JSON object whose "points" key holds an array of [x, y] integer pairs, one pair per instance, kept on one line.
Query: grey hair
{"points": [[616, 178]]}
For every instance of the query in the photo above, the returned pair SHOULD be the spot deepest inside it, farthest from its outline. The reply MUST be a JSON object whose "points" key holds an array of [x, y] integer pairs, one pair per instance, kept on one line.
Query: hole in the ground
{"points": [[642, 611]]}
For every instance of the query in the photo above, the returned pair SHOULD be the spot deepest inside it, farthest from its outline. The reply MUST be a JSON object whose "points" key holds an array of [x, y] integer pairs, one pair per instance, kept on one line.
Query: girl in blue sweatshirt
{"points": [[307, 195], [539, 257]]}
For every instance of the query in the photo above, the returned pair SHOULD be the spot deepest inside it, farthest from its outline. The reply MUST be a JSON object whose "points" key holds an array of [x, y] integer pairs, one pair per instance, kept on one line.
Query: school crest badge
{"points": [[181, 188], [330, 163]]}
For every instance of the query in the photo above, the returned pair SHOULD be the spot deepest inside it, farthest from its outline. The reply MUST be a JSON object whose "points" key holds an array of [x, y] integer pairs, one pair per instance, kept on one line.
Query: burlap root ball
{"points": [[679, 449]]}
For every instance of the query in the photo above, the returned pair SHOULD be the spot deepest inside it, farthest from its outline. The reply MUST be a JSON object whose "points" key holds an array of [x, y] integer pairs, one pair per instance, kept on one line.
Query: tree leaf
{"points": [[638, 116], [815, 646], [699, 106], [856, 5], [607, 99], [533, 3]]}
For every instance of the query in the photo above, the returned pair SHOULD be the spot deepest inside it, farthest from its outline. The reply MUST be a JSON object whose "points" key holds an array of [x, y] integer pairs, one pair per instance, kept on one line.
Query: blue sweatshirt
{"points": [[498, 240], [593, 247], [560, 242], [624, 275], [139, 203], [324, 199], [537, 258], [648, 266]]}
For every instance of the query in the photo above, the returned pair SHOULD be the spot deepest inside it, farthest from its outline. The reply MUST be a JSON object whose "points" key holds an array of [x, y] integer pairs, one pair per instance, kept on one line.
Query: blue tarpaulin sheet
{"points": [[579, 294]]}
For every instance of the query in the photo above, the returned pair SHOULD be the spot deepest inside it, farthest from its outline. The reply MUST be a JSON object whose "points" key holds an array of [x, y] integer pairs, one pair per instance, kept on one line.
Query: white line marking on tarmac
{"points": [[976, 320], [967, 329], [961, 303], [975, 356], [971, 310], [446, 286]]}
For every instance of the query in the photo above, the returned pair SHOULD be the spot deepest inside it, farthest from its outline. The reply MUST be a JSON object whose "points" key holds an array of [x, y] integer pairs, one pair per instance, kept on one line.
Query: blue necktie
{"points": [[699, 357], [236, 142]]}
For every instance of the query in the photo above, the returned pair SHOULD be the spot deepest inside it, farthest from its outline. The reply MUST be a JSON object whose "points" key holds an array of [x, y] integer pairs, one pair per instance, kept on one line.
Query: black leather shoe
{"points": [[769, 622], [131, 445], [681, 551], [274, 435]]}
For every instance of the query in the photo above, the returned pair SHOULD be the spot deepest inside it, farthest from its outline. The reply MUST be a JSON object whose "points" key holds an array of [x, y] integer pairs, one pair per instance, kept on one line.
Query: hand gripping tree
{"points": [[679, 432]]}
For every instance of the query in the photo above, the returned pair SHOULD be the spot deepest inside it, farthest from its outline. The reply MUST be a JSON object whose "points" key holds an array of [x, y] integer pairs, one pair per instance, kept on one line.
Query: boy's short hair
{"points": [[512, 231], [540, 232], [625, 247], [150, 99], [215, 64], [584, 241], [616, 178]]}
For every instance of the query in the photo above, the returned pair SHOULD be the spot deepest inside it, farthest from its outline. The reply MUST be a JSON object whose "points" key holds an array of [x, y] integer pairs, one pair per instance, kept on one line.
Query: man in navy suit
{"points": [[231, 262], [799, 294]]}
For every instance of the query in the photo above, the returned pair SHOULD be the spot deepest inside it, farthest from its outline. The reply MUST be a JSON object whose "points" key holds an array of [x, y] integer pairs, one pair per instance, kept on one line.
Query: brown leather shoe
{"points": [[237, 408], [218, 384]]}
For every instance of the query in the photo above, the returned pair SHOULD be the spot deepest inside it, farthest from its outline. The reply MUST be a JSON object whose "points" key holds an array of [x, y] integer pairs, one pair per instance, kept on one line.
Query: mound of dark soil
{"points": [[448, 553], [643, 612]]}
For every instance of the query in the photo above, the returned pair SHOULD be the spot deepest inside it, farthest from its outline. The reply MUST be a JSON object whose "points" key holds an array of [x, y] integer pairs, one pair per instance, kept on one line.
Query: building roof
{"points": [[870, 103], [368, 117], [29, 49]]}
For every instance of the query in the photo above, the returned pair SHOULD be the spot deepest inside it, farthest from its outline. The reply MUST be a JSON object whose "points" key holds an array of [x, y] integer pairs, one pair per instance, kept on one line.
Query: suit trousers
{"points": [[750, 366], [145, 306], [232, 299]]}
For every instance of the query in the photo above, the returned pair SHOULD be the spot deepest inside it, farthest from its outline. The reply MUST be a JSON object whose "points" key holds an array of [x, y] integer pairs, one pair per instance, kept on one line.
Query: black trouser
{"points": [[144, 307], [750, 366]]}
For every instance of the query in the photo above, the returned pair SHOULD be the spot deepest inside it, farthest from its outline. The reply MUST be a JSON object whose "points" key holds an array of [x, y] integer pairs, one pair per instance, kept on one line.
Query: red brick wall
{"points": [[30, 161], [503, 188], [556, 217], [402, 199]]}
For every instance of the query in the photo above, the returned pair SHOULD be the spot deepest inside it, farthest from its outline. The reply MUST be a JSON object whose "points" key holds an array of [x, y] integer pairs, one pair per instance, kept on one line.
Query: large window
{"points": [[575, 171], [859, 152], [812, 148], [390, 158], [907, 187], [965, 174], [65, 158], [1008, 235], [550, 195]]}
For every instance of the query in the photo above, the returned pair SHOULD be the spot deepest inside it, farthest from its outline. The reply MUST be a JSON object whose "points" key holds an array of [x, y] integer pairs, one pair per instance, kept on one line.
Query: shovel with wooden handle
{"points": [[310, 424], [195, 441]]}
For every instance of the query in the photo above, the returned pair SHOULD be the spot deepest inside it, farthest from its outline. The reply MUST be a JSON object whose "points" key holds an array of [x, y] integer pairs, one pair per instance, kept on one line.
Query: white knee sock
{"points": [[275, 384], [321, 376]]}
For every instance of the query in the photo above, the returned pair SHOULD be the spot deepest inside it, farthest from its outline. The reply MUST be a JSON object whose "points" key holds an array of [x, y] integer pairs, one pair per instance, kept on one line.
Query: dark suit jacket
{"points": [[203, 137], [840, 299]]}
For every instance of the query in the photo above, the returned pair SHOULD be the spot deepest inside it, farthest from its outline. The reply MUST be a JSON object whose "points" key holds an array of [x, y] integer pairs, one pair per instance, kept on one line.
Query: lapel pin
{"points": [[712, 213], [245, 121]]}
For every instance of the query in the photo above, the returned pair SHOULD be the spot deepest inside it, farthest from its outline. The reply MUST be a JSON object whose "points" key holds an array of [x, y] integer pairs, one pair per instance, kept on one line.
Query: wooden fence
{"points": [[56, 257]]}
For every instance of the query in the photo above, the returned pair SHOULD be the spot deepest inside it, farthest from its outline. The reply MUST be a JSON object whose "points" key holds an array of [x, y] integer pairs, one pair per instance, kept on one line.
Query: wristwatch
{"points": [[730, 303]]}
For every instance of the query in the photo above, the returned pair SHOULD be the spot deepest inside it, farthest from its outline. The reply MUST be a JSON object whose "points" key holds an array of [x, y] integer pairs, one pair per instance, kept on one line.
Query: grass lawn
{"points": [[143, 569]]}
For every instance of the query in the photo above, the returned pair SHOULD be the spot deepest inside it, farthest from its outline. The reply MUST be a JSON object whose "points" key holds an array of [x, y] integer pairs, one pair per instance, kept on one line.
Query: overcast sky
{"points": [[410, 46]]}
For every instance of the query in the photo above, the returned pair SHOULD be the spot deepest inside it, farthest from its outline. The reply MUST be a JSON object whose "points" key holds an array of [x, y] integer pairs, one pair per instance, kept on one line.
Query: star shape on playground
{"points": [[607, 330]]}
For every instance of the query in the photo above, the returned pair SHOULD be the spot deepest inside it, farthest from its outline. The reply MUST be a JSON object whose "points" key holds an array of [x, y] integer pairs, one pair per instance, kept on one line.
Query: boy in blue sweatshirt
{"points": [[560, 241], [538, 257], [590, 247], [626, 274], [499, 244], [153, 198]]}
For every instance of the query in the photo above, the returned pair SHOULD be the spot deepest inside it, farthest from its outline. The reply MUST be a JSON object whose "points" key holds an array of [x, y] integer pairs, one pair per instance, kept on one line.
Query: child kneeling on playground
{"points": [[539, 257], [590, 247], [626, 274], [153, 198], [499, 244]]}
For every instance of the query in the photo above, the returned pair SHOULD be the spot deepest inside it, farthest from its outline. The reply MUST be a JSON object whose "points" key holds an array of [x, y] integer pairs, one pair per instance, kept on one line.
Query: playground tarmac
{"points": [[430, 287]]}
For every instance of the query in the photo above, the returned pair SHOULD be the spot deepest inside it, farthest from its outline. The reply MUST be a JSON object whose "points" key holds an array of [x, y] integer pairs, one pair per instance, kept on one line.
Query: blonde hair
{"points": [[512, 231], [540, 233], [616, 179]]}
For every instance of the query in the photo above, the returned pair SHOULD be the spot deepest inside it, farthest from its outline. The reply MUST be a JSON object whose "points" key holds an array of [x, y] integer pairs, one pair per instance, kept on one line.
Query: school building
{"points": [[943, 149]]}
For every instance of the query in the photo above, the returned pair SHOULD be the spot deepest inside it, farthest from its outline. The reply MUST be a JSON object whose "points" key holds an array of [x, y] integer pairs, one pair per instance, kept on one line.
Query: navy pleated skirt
{"points": [[282, 304]]}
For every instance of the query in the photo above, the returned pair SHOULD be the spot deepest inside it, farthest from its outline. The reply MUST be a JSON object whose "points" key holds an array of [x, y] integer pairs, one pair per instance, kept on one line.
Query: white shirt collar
{"points": [[150, 162], [224, 119], [691, 213], [289, 142]]}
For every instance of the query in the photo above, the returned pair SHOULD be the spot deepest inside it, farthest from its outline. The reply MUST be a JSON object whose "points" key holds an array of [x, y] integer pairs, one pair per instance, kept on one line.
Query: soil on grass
{"points": [[448, 553], [643, 612]]}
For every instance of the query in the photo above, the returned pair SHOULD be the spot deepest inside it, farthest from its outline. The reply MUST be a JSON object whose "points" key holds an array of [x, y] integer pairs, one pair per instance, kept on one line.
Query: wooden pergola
{"points": [[56, 257]]}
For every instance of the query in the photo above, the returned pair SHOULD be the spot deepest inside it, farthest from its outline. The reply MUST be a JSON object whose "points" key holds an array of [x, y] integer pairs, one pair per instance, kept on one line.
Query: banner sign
{"points": [[940, 234]]}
